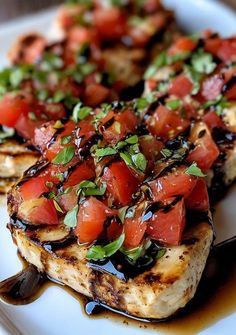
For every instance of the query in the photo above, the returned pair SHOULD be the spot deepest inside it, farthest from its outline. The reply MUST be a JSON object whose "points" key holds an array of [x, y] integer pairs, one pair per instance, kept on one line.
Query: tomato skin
{"points": [[69, 200], [43, 134], [181, 86], [231, 93], [212, 87], [167, 227], [166, 123], [198, 199], [134, 229], [225, 49], [183, 44], [39, 211], [213, 120], [34, 188], [206, 151], [124, 123], [11, 108], [114, 230], [110, 23], [121, 183], [85, 171], [151, 148], [176, 183], [95, 94], [56, 147], [91, 217]]}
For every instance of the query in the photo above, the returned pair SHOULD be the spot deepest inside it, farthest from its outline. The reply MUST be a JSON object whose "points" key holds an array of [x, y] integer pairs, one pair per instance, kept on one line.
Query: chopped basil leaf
{"points": [[160, 253], [166, 152], [122, 213], [132, 139], [32, 116], [117, 127], [87, 188], [132, 254], [70, 219], [141, 104], [60, 177], [194, 170], [202, 62], [80, 113], [58, 125], [65, 140], [49, 184], [126, 158], [59, 96], [64, 156], [194, 76], [102, 152], [43, 94], [97, 252], [173, 104], [57, 206]]}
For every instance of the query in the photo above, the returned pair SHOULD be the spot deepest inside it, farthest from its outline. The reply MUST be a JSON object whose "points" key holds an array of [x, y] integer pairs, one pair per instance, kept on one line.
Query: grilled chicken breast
{"points": [[156, 293], [15, 158]]}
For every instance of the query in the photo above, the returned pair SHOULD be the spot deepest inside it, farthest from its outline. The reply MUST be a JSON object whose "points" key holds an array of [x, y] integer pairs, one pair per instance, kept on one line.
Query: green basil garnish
{"points": [[97, 252], [64, 156], [194, 170], [70, 219]]}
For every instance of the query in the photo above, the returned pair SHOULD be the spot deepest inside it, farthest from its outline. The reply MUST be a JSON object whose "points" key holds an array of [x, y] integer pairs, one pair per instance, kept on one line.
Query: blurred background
{"points": [[10, 9]]}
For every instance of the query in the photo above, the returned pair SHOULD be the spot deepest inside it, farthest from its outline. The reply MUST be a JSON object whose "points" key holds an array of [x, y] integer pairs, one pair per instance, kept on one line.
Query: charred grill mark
{"points": [[52, 246]]}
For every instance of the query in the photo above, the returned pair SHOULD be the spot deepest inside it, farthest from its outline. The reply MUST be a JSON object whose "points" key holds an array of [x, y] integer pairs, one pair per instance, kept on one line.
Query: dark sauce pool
{"points": [[215, 298]]}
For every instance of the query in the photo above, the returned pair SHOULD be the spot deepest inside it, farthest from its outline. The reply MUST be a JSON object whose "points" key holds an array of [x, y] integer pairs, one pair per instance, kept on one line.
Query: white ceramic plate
{"points": [[56, 312]]}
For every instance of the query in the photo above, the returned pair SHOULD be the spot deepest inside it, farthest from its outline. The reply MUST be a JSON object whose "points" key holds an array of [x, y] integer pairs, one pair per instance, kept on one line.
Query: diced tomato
{"points": [[212, 87], [11, 108], [68, 200], [151, 148], [110, 23], [36, 186], [85, 131], [183, 44], [56, 146], [95, 94], [123, 123], [54, 111], [121, 183], [68, 15], [225, 49], [213, 120], [166, 123], [205, 151], [167, 226], [39, 211], [84, 171], [212, 45], [91, 218], [134, 229], [26, 127], [114, 230], [198, 199], [181, 86], [43, 134], [176, 183]]}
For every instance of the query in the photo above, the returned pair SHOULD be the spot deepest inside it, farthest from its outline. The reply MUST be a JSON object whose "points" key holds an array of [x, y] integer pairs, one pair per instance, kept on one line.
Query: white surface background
{"points": [[56, 312]]}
